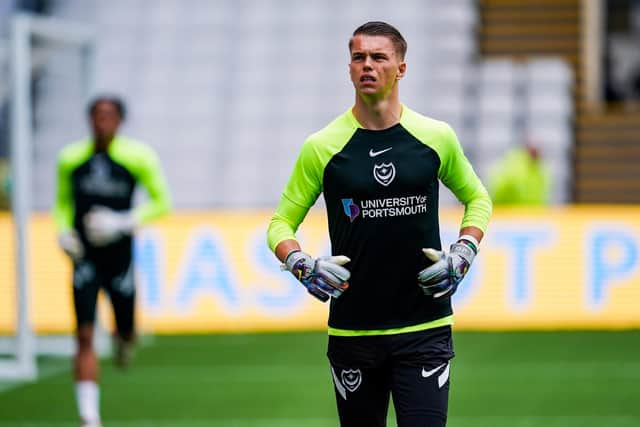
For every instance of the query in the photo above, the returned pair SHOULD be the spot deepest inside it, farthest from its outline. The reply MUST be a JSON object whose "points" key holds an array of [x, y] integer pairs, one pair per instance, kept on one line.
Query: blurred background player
{"points": [[378, 166], [520, 178], [93, 212]]}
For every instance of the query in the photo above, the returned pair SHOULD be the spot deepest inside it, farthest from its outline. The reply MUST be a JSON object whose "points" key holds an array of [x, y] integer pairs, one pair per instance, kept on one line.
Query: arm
{"points": [[457, 174], [63, 207], [63, 211], [472, 231], [285, 247], [323, 277], [449, 268], [152, 179], [300, 193]]}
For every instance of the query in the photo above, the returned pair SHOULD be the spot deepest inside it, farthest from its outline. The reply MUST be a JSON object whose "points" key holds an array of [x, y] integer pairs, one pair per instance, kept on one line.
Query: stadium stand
{"points": [[604, 155], [226, 91]]}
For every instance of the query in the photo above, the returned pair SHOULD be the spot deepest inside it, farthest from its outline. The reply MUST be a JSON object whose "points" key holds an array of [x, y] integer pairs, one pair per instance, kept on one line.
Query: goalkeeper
{"points": [[96, 180], [389, 282]]}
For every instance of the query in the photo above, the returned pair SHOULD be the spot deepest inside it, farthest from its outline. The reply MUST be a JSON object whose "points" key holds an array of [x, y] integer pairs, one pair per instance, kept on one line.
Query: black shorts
{"points": [[117, 279], [412, 368]]}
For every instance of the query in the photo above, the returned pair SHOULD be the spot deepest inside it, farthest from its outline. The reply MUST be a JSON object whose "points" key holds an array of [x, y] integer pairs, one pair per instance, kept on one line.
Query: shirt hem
{"points": [[443, 321]]}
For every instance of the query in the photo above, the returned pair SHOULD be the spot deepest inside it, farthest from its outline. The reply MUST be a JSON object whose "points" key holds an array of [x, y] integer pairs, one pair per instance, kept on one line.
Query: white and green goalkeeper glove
{"points": [[449, 268], [324, 277], [71, 244], [104, 226]]}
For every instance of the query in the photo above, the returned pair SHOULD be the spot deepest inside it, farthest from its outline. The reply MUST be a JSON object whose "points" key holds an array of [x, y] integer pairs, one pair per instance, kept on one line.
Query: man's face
{"points": [[105, 120], [375, 66]]}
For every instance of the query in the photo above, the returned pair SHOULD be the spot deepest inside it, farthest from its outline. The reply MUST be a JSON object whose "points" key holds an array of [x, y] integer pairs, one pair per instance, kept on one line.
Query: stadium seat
{"points": [[225, 77]]}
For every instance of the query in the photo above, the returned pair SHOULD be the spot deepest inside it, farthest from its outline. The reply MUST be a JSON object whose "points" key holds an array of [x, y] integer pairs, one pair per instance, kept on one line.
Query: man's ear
{"points": [[402, 68]]}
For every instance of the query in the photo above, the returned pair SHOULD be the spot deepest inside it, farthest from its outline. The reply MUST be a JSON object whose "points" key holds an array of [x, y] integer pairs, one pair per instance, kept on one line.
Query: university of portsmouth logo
{"points": [[384, 173], [351, 379], [350, 209]]}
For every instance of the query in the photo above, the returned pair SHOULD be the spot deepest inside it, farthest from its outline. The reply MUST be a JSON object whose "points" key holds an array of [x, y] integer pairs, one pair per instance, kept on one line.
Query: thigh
{"points": [[420, 378], [361, 381], [119, 284], [85, 292], [421, 396]]}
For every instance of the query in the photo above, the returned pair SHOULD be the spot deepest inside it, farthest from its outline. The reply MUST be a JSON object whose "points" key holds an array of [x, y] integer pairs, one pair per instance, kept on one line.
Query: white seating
{"points": [[232, 88]]}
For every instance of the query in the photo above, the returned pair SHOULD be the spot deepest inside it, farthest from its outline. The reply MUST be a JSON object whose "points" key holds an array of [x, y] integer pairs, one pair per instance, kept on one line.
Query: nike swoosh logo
{"points": [[427, 374], [377, 153]]}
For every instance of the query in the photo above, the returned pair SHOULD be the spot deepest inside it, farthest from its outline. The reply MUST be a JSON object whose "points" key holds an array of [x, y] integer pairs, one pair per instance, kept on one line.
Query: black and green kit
{"points": [[88, 179], [381, 194]]}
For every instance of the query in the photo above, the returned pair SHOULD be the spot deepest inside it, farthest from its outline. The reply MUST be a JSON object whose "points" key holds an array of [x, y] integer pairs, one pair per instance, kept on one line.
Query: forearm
{"points": [[472, 231], [478, 210], [63, 217], [63, 207], [153, 209], [153, 180], [285, 247], [284, 224]]}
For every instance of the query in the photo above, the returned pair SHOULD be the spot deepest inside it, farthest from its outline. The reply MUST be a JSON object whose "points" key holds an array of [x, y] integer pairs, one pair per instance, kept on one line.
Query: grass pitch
{"points": [[550, 379]]}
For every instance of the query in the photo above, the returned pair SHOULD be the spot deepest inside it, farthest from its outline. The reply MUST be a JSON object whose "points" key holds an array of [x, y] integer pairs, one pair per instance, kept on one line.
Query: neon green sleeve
{"points": [[457, 174], [305, 183], [144, 164], [69, 158], [299, 195], [455, 170], [63, 207]]}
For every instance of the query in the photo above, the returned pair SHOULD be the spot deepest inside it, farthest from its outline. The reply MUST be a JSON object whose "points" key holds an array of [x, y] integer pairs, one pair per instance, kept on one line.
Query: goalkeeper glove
{"points": [[448, 269], [71, 244], [324, 277], [104, 226]]}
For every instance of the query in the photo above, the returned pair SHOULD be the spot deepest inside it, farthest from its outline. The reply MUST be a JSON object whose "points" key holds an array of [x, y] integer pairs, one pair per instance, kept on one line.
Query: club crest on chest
{"points": [[384, 173]]}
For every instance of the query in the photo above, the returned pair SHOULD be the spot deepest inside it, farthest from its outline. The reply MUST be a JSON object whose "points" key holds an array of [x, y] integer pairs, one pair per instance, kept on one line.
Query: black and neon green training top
{"points": [[86, 178], [381, 193]]}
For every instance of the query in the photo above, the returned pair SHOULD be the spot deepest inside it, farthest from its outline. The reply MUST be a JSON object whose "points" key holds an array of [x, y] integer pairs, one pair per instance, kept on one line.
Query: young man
{"points": [[390, 284], [95, 220]]}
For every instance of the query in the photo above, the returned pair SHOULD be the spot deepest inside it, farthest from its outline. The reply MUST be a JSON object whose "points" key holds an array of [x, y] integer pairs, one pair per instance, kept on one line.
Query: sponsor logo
{"points": [[350, 209], [351, 379], [384, 208], [377, 153], [384, 173], [427, 374], [442, 378]]}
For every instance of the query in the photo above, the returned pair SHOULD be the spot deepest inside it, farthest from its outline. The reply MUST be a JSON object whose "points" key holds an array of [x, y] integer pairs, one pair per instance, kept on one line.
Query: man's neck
{"points": [[378, 114], [101, 145]]}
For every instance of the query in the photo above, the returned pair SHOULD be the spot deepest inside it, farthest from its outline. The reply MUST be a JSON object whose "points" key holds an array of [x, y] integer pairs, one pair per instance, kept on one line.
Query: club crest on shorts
{"points": [[351, 379], [83, 273], [384, 173]]}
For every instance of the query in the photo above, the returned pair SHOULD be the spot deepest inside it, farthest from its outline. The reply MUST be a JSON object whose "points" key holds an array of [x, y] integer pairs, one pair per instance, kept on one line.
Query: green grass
{"points": [[562, 379]]}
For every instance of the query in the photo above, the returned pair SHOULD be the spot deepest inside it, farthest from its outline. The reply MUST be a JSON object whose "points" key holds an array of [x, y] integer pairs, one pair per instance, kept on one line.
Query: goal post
{"points": [[23, 348]]}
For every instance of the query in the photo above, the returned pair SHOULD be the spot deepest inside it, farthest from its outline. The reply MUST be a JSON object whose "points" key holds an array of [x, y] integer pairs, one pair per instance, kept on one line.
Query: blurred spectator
{"points": [[520, 178]]}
